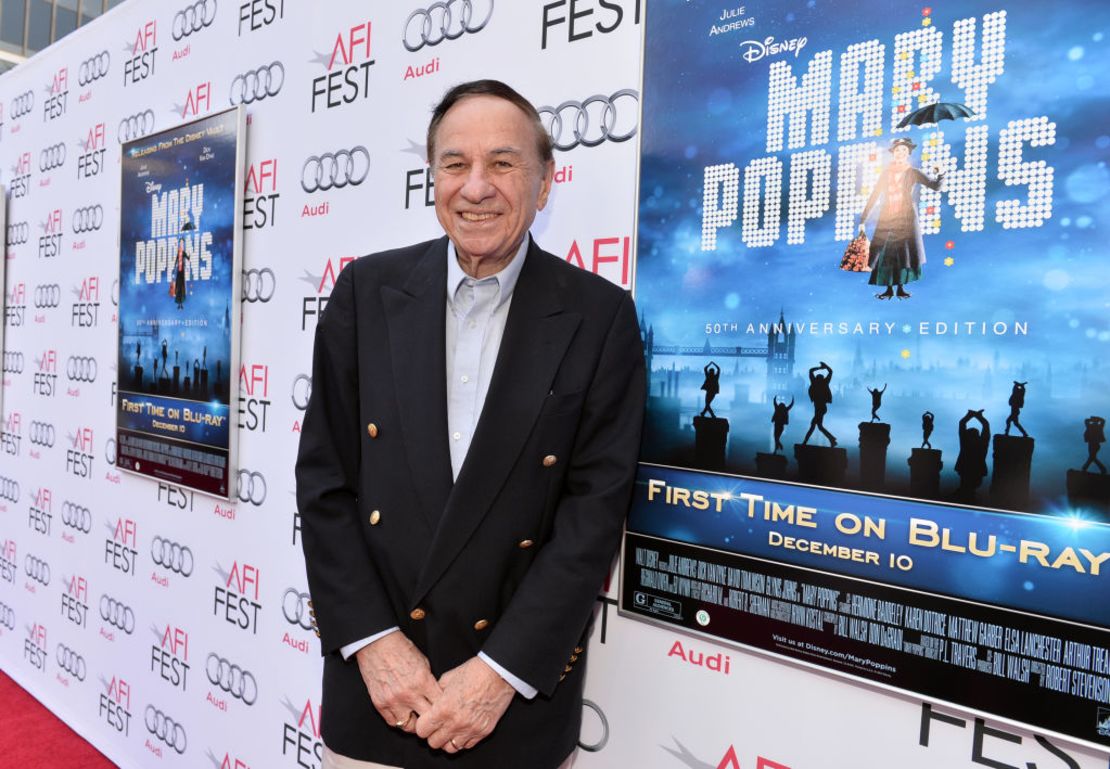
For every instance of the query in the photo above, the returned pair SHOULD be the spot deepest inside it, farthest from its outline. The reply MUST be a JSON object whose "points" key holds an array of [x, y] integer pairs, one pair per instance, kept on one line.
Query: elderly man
{"points": [[465, 465]]}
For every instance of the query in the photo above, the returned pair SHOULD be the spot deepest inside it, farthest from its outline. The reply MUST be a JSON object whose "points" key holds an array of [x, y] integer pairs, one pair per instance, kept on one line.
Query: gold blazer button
{"points": [[375, 517], [481, 624], [524, 544], [550, 460], [372, 430], [578, 650], [418, 614]]}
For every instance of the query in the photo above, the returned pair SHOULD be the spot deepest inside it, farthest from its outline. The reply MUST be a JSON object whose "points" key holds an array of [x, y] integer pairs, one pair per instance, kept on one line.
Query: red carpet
{"points": [[32, 736]]}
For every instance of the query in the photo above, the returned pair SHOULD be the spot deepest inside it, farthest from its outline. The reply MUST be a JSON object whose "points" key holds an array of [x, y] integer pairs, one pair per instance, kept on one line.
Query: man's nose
{"points": [[477, 186]]}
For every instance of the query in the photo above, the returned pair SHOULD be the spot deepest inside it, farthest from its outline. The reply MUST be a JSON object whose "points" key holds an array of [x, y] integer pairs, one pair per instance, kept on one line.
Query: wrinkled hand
{"points": [[399, 679], [473, 701]]}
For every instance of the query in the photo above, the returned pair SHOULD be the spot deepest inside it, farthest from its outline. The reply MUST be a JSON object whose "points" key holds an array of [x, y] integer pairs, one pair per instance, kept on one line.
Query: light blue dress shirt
{"points": [[475, 322]]}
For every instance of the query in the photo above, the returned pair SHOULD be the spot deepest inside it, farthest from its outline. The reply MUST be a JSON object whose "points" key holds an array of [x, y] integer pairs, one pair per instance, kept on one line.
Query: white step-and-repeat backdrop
{"points": [[170, 628]]}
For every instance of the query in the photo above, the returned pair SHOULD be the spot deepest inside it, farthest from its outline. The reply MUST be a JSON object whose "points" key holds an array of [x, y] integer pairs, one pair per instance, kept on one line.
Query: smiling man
{"points": [[465, 466]]}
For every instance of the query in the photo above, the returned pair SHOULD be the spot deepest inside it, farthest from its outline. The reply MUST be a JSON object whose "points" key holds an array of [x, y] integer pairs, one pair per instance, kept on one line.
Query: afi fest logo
{"points": [[85, 312], [608, 257], [584, 18], [55, 104], [313, 305], [730, 760], [46, 374], [34, 646], [79, 456], [228, 761], [348, 66], [237, 598], [115, 705], [301, 734], [143, 53], [91, 160], [198, 101], [41, 511], [169, 657], [261, 195], [75, 601], [11, 437], [259, 14], [987, 741], [175, 496], [420, 179], [15, 310], [121, 549], [20, 183], [754, 50], [8, 557], [254, 396], [50, 242]]}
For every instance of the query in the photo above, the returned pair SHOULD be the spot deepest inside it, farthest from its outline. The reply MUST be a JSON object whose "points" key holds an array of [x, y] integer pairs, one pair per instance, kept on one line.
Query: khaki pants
{"points": [[336, 761]]}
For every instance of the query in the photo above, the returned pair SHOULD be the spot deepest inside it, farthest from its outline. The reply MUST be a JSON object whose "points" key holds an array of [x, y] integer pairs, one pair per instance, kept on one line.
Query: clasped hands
{"points": [[454, 713]]}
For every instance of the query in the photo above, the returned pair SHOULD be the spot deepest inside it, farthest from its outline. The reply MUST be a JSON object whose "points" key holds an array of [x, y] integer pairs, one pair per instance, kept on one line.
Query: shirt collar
{"points": [[505, 279]]}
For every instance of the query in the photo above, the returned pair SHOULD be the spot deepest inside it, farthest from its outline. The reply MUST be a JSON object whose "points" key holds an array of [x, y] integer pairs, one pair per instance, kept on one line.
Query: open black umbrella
{"points": [[934, 113]]}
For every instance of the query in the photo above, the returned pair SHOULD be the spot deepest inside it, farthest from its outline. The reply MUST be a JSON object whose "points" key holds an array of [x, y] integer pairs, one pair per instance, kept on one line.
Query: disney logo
{"points": [[754, 50], [153, 187]]}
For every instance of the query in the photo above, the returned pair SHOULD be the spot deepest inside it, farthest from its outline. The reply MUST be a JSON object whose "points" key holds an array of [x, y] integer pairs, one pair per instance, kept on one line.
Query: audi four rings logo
{"points": [[338, 169], [259, 285], [52, 157], [88, 219], [48, 295], [170, 555], [42, 434], [193, 18], [18, 233], [22, 104], [77, 517], [251, 487], [7, 616], [448, 20], [81, 369], [110, 451], [135, 126], [302, 391], [37, 569], [13, 362], [117, 614], [237, 682], [570, 124], [71, 662], [93, 68], [256, 84], [165, 728], [296, 611], [9, 490]]}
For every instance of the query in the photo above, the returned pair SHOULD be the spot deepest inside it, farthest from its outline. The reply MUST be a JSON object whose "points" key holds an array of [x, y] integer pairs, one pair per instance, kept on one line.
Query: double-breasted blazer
{"points": [[507, 559]]}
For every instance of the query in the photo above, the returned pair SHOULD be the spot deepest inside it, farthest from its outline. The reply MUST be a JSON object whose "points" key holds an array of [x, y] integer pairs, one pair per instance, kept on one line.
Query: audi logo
{"points": [[258, 285], [52, 157], [250, 487], [448, 20], [336, 169], [136, 126], [88, 219], [18, 233], [237, 682], [9, 490], [7, 616], [117, 614], [110, 450], [170, 555], [37, 569], [574, 116], [13, 362], [302, 391], [81, 369], [162, 726], [71, 662], [42, 434], [296, 611], [22, 105], [193, 18], [77, 517], [48, 295], [256, 84], [601, 743], [94, 68]]}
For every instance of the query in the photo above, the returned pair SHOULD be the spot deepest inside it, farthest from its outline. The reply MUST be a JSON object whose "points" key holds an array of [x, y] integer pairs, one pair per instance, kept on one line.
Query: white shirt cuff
{"points": [[354, 646], [523, 689]]}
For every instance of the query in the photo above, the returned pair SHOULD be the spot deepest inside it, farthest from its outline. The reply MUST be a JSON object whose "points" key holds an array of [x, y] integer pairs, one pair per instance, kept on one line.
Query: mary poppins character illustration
{"points": [[897, 253]]}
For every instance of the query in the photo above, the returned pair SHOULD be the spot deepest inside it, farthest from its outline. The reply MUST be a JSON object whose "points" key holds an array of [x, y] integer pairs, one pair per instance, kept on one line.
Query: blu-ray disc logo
{"points": [[115, 704], [170, 656], [352, 82], [754, 50], [34, 646]]}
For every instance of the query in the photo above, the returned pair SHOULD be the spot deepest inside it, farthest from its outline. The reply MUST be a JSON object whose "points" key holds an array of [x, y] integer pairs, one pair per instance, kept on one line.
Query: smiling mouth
{"points": [[470, 216]]}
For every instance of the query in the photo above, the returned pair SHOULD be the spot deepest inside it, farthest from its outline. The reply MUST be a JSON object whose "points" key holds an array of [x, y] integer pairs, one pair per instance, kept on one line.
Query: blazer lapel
{"points": [[537, 334], [415, 316]]}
